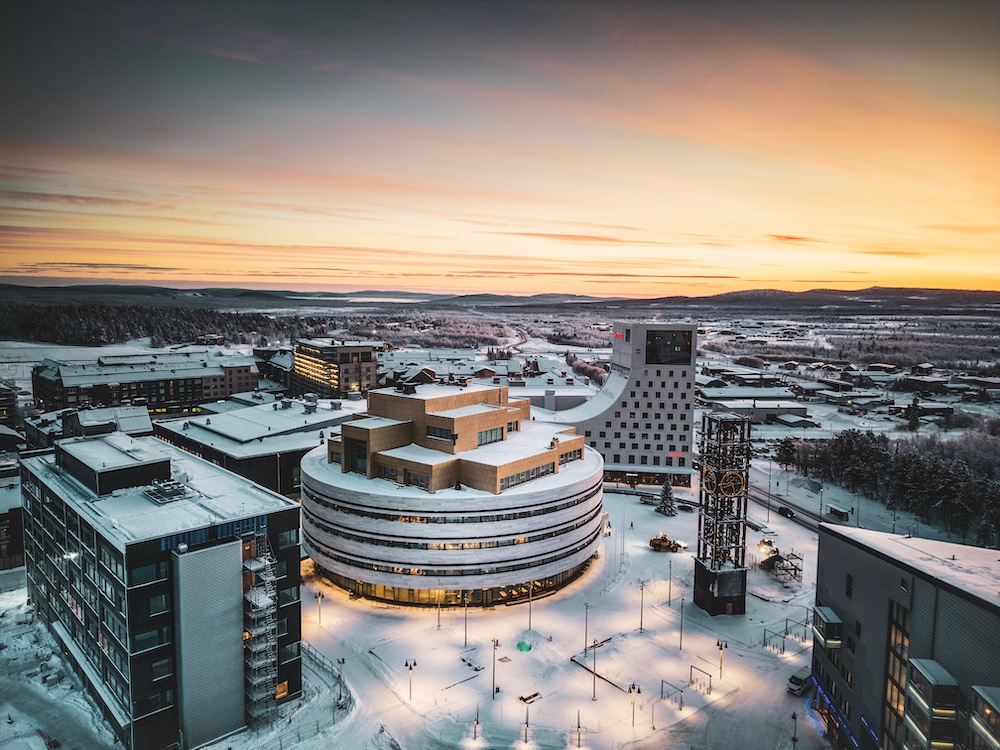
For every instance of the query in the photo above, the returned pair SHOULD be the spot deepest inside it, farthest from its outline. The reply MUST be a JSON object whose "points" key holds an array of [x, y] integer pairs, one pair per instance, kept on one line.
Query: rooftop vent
{"points": [[309, 408], [166, 491], [286, 403]]}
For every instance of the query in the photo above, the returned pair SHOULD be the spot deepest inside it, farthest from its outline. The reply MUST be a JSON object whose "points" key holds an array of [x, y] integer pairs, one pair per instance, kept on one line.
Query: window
{"points": [[162, 668], [288, 595], [288, 539], [288, 652], [282, 690], [485, 437], [390, 473], [440, 432], [159, 604]]}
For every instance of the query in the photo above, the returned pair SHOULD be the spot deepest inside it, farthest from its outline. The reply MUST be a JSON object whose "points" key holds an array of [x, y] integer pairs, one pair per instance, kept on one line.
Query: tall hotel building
{"points": [[446, 494], [171, 585], [906, 642], [642, 419], [333, 369]]}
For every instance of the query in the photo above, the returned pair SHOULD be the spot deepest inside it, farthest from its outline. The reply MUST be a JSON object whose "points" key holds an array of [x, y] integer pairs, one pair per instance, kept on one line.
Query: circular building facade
{"points": [[385, 539]]}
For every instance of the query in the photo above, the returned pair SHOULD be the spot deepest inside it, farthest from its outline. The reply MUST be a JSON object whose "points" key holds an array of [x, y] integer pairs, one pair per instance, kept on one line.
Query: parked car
{"points": [[786, 512], [801, 681]]}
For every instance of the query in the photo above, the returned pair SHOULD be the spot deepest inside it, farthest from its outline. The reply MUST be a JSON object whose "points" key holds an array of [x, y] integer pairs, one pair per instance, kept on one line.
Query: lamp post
{"points": [[586, 617], [769, 491], [795, 729], [495, 644], [821, 501], [465, 600], [595, 670], [634, 690], [411, 663], [531, 588], [642, 587], [319, 607], [670, 582], [721, 644]]}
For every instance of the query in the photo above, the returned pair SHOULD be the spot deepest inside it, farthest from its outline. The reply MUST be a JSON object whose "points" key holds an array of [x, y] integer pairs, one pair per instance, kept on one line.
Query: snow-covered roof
{"points": [[601, 402], [467, 411], [437, 391], [212, 494], [264, 429], [975, 570]]}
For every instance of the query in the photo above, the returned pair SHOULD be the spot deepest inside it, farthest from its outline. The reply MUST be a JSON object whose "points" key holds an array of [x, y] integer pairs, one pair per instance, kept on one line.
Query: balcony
{"points": [[827, 628]]}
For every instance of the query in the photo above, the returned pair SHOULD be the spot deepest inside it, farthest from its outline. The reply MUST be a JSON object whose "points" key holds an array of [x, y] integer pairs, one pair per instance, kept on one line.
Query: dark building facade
{"points": [[166, 383], [175, 599], [11, 533], [906, 642]]}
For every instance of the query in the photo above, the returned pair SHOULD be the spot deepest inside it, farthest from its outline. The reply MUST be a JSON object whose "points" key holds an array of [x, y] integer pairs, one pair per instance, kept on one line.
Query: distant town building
{"points": [[264, 443], [172, 586], [166, 383], [11, 533], [8, 406], [334, 369], [642, 419], [906, 642], [42, 430], [444, 494]]}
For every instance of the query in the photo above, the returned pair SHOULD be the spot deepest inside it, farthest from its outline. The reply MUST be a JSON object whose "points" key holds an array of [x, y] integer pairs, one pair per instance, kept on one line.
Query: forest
{"points": [[953, 482]]}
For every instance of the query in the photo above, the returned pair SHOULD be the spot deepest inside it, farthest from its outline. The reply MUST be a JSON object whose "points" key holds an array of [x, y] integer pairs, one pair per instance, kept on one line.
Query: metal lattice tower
{"points": [[260, 646], [725, 462]]}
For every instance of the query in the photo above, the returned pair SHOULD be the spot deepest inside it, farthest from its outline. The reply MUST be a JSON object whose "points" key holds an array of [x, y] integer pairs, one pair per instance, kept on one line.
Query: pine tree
{"points": [[667, 506]]}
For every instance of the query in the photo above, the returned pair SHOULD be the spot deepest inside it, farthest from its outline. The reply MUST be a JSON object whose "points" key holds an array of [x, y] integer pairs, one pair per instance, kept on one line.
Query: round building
{"points": [[444, 494]]}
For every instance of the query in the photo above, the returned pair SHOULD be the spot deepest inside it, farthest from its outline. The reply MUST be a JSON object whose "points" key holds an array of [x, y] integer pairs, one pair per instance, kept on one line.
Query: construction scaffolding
{"points": [[260, 636]]}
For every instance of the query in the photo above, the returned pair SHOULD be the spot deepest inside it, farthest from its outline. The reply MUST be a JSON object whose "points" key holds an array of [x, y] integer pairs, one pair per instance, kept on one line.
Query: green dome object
{"points": [[523, 646]]}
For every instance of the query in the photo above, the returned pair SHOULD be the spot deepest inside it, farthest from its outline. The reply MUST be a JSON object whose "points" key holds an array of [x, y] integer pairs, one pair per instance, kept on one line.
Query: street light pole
{"points": [[319, 607], [586, 617], [769, 491], [595, 670], [642, 586], [465, 599], [795, 729], [721, 644], [495, 644], [634, 690], [531, 588], [411, 663]]}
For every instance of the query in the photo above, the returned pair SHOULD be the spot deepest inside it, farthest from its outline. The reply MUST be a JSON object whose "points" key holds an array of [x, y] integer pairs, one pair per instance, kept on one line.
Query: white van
{"points": [[800, 682]]}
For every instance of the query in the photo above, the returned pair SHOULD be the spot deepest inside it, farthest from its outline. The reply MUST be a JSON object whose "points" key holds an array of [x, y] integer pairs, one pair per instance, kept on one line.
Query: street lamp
{"points": [[642, 586], [586, 617], [595, 670], [319, 606], [634, 690], [795, 729], [495, 644], [721, 644], [465, 599], [411, 663]]}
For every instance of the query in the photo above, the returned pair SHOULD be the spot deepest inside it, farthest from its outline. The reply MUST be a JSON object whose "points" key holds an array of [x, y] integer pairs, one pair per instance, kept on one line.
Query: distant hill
{"points": [[872, 300]]}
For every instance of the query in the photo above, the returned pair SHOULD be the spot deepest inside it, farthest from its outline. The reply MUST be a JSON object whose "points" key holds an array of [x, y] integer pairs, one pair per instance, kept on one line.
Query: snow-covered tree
{"points": [[667, 505]]}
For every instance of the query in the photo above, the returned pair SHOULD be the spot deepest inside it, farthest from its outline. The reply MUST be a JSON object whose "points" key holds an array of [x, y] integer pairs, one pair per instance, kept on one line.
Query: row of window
{"points": [[361, 564], [499, 514], [526, 476], [479, 543]]}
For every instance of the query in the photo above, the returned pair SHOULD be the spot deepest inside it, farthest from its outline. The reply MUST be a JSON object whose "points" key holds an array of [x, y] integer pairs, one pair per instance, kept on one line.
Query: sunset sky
{"points": [[600, 148]]}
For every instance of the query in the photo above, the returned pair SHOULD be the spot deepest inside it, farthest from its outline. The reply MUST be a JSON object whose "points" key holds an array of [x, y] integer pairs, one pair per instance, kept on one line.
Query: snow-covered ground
{"points": [[635, 602], [630, 601]]}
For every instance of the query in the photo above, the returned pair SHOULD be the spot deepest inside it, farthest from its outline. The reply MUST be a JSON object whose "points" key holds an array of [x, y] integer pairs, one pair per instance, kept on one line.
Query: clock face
{"points": [[731, 484], [708, 480]]}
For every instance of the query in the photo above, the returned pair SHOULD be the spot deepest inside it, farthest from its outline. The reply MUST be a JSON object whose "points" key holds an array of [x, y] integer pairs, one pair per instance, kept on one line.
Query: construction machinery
{"points": [[663, 543]]}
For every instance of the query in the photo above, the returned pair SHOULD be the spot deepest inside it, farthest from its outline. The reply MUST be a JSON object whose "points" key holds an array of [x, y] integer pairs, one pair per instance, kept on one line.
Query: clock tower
{"points": [[720, 576]]}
